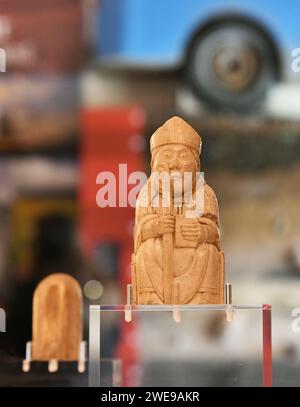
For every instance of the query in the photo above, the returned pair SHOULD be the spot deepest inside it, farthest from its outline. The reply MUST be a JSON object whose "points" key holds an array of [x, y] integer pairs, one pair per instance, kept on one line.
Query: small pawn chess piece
{"points": [[57, 324], [177, 255]]}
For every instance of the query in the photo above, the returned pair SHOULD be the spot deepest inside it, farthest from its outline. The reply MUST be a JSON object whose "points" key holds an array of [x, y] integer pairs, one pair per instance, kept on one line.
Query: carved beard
{"points": [[176, 186]]}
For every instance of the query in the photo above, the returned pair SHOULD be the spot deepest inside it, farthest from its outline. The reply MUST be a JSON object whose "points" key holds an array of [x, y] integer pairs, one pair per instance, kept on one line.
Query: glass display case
{"points": [[188, 345]]}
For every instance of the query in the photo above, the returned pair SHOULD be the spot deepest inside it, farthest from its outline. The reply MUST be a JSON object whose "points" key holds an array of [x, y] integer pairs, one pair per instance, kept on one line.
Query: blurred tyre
{"points": [[231, 66]]}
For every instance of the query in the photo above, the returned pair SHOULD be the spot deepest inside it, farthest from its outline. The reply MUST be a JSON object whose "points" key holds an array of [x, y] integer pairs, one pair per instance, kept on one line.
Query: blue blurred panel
{"points": [[110, 34], [159, 31]]}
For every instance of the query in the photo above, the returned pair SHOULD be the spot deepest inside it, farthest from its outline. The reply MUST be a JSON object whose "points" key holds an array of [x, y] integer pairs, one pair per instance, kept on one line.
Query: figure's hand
{"points": [[192, 230], [165, 224], [161, 225]]}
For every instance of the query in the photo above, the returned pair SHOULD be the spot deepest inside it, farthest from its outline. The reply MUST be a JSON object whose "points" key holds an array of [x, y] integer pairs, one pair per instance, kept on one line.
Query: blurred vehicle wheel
{"points": [[231, 66]]}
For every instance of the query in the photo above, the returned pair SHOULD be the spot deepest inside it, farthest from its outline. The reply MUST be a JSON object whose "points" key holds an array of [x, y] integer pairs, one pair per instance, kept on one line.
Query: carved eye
{"points": [[167, 154], [185, 156]]}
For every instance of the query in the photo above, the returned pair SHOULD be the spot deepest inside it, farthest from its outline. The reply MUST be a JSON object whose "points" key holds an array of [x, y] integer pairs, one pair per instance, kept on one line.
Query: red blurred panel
{"points": [[42, 36], [110, 137], [114, 227], [119, 165], [36, 4], [128, 351], [116, 130], [125, 262], [267, 345]]}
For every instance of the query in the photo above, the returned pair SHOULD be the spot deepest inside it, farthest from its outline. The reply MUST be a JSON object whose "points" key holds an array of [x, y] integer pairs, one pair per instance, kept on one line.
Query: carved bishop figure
{"points": [[177, 257]]}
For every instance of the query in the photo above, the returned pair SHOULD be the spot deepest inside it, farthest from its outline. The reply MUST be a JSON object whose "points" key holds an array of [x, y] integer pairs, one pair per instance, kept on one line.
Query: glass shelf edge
{"points": [[166, 308]]}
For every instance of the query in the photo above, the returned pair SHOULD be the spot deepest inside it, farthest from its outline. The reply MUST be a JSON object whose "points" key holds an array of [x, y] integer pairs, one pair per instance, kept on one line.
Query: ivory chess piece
{"points": [[57, 323], [177, 256]]}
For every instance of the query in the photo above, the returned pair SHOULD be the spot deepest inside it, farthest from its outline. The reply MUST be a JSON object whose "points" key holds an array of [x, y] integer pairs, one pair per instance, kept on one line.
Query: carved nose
{"points": [[162, 166], [174, 164]]}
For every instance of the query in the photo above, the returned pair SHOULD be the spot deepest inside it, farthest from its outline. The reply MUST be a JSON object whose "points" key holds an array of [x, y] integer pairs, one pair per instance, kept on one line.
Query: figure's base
{"points": [[200, 341], [53, 364], [176, 311]]}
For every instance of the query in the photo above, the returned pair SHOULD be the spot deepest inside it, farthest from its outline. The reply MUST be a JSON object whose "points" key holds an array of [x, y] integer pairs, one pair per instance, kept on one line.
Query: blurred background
{"points": [[86, 84]]}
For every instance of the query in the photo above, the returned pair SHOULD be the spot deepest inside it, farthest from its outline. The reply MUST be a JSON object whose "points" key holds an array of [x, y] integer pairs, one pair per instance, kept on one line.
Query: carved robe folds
{"points": [[198, 272]]}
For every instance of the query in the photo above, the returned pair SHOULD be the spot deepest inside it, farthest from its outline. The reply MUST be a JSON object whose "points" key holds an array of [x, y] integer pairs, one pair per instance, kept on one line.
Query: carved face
{"points": [[174, 158]]}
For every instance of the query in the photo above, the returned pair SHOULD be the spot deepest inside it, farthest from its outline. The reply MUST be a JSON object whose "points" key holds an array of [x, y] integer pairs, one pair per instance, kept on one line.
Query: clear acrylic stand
{"points": [[238, 333]]}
